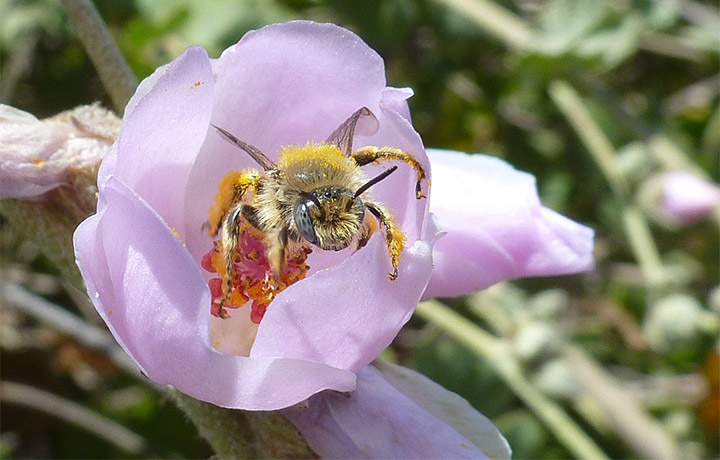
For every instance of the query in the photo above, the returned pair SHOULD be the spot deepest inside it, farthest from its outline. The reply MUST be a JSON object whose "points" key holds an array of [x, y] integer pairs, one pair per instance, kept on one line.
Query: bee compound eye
{"points": [[304, 222]]}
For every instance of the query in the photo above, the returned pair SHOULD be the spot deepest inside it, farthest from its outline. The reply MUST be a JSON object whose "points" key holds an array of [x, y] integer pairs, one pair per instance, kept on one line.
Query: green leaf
{"points": [[564, 22]]}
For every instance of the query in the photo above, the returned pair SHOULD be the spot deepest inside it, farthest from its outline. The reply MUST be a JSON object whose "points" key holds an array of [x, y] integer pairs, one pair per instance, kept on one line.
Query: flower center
{"points": [[252, 279]]}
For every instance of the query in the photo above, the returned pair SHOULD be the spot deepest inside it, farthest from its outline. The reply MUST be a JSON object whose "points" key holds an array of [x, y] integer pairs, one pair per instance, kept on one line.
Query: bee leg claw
{"points": [[418, 191], [393, 275]]}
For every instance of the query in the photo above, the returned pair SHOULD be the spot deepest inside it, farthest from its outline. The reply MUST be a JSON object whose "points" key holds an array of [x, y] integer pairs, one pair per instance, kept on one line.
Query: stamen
{"points": [[252, 281]]}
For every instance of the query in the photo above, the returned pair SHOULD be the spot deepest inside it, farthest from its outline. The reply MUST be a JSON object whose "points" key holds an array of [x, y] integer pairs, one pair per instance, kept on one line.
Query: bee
{"points": [[314, 195]]}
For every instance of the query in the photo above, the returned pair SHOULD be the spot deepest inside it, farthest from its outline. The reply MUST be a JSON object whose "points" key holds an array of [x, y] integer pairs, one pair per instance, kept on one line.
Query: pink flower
{"points": [[396, 413], [37, 156], [686, 198], [497, 229], [150, 272], [142, 254]]}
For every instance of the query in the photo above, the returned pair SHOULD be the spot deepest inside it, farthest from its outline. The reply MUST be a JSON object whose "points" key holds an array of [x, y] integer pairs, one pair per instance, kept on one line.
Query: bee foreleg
{"points": [[232, 189], [371, 153], [366, 231], [393, 235]]}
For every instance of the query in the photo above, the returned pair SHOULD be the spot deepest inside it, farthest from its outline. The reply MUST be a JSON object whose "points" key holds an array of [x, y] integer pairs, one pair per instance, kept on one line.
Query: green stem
{"points": [[599, 146], [114, 71], [71, 412], [494, 19], [629, 420], [602, 151], [243, 434], [501, 359], [50, 227], [643, 245]]}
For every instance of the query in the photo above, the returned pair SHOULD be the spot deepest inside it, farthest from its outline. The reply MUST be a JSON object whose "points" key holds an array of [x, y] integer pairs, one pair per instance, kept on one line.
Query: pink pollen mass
{"points": [[252, 278], [206, 262]]}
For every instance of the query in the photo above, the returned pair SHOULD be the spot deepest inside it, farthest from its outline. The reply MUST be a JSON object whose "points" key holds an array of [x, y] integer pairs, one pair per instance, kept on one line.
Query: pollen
{"points": [[253, 282], [313, 156], [224, 198]]}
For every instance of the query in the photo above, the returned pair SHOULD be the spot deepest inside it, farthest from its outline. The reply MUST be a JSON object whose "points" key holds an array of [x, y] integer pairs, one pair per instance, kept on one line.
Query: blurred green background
{"points": [[595, 98]]}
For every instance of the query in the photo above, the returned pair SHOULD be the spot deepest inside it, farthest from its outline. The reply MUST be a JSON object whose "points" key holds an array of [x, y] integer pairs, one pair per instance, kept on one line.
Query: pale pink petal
{"points": [[448, 407], [397, 192], [39, 155], [377, 421], [687, 198], [395, 98], [150, 292], [162, 134], [143, 89], [313, 76], [497, 229], [347, 315]]}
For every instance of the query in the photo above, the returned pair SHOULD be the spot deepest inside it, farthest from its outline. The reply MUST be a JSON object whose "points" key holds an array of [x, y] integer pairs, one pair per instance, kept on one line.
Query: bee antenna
{"points": [[254, 152], [374, 181]]}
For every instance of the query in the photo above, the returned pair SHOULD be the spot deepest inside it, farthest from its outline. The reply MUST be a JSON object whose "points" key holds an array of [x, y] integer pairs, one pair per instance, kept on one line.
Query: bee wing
{"points": [[343, 135], [254, 152]]}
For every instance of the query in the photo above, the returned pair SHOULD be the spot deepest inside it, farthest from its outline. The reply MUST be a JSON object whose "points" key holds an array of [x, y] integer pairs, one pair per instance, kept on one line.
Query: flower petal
{"points": [[448, 407], [377, 421], [39, 155], [162, 134], [686, 197], [317, 74], [347, 315], [497, 229], [151, 294], [397, 192], [395, 99]]}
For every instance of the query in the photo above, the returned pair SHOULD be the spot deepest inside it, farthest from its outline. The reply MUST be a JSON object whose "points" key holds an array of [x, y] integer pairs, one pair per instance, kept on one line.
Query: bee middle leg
{"points": [[371, 153], [276, 242], [394, 237]]}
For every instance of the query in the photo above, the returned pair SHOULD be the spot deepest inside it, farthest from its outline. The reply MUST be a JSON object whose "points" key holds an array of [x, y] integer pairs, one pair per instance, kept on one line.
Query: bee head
{"points": [[328, 217]]}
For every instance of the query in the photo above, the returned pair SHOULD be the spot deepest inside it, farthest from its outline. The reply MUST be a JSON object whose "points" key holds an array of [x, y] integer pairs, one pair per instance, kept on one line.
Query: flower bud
{"points": [[37, 156], [680, 198], [556, 379], [677, 320], [535, 341]]}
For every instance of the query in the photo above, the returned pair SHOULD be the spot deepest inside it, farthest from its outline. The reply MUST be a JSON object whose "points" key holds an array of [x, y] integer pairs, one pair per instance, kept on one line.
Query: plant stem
{"points": [[501, 359], [599, 146], [231, 433], [243, 434], [114, 71], [50, 227], [602, 151], [643, 245], [495, 20], [27, 396], [62, 320], [644, 434]]}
